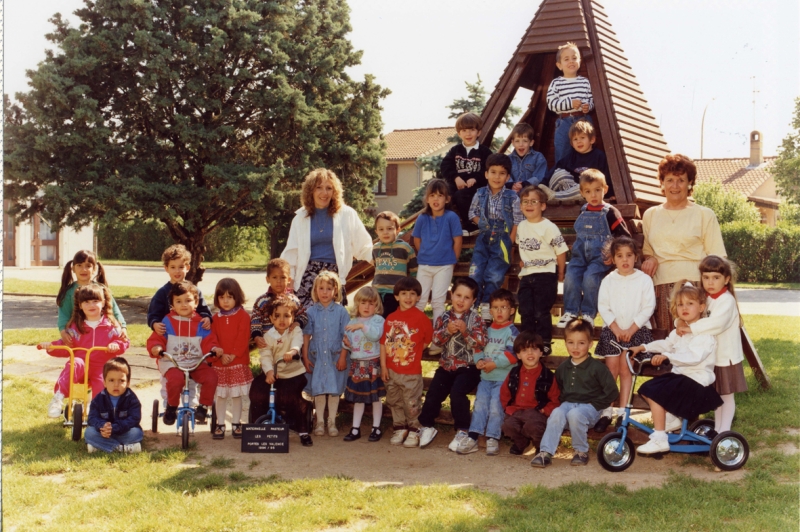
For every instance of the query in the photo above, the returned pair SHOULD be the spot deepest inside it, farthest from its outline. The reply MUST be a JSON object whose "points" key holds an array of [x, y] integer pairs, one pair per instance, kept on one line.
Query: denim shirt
{"points": [[530, 169], [512, 214]]}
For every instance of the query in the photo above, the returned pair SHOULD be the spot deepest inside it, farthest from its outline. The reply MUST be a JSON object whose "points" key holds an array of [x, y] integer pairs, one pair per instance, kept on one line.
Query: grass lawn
{"points": [[257, 263], [51, 483], [43, 288], [771, 286]]}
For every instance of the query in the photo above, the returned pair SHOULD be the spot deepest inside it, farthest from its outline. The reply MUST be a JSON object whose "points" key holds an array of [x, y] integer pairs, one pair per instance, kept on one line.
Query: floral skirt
{"points": [[364, 383], [307, 281], [605, 349], [233, 381]]}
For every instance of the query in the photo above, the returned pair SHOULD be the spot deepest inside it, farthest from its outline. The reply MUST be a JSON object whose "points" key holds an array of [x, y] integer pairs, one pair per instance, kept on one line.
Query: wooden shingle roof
{"points": [[734, 174], [408, 144]]}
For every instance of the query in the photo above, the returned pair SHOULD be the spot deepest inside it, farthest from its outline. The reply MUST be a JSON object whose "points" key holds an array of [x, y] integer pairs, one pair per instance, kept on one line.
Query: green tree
{"points": [[787, 166], [729, 206], [475, 102], [201, 114], [789, 213]]}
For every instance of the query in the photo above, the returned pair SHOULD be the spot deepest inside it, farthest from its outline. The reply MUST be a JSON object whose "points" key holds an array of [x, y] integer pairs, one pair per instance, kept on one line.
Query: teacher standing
{"points": [[678, 234], [325, 234]]}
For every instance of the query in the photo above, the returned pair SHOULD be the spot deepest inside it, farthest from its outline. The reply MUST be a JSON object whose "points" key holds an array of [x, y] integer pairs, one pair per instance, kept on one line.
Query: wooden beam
{"points": [[505, 91], [754, 360]]}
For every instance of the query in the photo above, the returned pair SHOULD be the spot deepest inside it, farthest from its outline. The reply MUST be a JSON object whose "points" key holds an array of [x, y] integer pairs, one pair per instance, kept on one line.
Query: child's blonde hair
{"points": [[327, 277], [370, 295], [590, 176], [91, 292], [569, 45], [582, 126], [685, 289], [315, 178]]}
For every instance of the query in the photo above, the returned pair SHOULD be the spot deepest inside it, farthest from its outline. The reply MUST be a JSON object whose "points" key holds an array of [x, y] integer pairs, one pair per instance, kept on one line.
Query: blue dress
{"points": [[326, 327]]}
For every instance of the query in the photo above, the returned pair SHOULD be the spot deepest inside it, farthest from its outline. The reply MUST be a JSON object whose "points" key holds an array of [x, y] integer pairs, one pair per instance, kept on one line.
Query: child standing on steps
{"points": [[393, 259], [569, 96], [364, 384]]}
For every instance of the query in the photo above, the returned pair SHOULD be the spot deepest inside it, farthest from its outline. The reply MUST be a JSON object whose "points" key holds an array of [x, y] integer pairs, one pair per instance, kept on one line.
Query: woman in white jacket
{"points": [[325, 234]]}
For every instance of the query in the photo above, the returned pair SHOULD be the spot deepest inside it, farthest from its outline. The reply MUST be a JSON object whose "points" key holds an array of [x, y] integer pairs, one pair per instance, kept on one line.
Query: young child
{"points": [[464, 166], [597, 222], [495, 210], [279, 280], [460, 334], [324, 357], [282, 343], [542, 251], [529, 394], [437, 237], [569, 96], [723, 322], [176, 260], [231, 326], [587, 388], [187, 341], [528, 166], [87, 270], [496, 362], [115, 413], [393, 258], [364, 384], [626, 301], [406, 332], [92, 325], [688, 390]]}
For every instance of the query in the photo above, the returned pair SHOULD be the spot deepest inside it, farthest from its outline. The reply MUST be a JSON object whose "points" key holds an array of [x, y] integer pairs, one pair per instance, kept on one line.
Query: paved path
{"points": [[40, 312]]}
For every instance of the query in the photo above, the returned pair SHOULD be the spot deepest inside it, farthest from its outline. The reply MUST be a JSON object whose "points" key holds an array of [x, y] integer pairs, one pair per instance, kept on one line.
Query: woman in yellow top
{"points": [[678, 234]]}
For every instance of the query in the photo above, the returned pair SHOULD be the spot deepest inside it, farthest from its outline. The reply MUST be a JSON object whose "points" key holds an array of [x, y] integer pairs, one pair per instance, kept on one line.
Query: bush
{"points": [[728, 205], [762, 253], [789, 213]]}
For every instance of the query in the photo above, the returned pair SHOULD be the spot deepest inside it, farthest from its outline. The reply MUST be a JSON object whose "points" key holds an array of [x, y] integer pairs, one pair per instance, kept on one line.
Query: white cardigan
{"points": [[691, 355], [350, 240], [722, 323], [626, 299]]}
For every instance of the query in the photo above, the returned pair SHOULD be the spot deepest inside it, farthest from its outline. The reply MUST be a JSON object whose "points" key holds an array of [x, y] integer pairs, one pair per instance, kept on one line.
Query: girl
{"points": [[87, 269], [92, 325], [283, 342], [232, 327], [723, 322], [437, 237], [323, 355], [626, 301], [364, 384], [688, 391]]}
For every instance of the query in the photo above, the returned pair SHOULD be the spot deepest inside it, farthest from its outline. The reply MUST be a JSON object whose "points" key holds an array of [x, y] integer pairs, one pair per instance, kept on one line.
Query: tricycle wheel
{"points": [[701, 427], [264, 420], [729, 451], [213, 417], [607, 454], [186, 419], [77, 422], [155, 416]]}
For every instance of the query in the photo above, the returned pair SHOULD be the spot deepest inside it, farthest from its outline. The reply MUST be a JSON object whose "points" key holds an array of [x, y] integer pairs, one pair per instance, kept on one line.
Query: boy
{"points": [[460, 333], [463, 167], [187, 341], [176, 259], [542, 250], [587, 388], [393, 258], [569, 96], [495, 363], [597, 223], [495, 210], [115, 413], [406, 332], [529, 394], [528, 166], [279, 280]]}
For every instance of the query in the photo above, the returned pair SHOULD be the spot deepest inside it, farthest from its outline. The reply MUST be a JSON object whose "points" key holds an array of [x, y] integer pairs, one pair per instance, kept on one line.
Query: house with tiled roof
{"points": [[750, 176], [403, 173]]}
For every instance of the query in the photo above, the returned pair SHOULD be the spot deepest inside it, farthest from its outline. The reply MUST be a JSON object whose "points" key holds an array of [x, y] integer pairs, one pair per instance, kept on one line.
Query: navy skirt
{"points": [[364, 383], [681, 396]]}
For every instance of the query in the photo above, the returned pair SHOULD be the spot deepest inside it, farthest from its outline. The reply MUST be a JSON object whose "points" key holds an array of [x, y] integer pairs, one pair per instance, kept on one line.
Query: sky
{"points": [[688, 56]]}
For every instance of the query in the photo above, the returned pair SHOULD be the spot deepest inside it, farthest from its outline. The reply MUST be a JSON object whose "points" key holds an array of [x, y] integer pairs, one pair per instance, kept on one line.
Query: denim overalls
{"points": [[586, 270], [492, 253]]}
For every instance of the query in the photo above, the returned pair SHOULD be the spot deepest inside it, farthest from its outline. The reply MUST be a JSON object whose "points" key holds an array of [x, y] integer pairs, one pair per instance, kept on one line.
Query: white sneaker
{"points": [[565, 318], [586, 317], [426, 436], [464, 233], [492, 447], [56, 407], [132, 448], [319, 428], [434, 349], [398, 437], [460, 435], [467, 446], [673, 423], [654, 446], [486, 314], [90, 448], [332, 430], [412, 440]]}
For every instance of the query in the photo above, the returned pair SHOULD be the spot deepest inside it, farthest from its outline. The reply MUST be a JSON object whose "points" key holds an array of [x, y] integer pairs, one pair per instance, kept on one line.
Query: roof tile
{"points": [[734, 174], [407, 144]]}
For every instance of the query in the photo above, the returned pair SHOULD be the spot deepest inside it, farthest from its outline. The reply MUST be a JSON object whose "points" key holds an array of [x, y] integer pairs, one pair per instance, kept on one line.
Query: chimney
{"points": [[756, 151]]}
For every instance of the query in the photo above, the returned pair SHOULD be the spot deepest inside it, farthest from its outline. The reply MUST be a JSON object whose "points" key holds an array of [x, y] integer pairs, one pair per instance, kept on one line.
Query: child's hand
{"points": [[206, 323], [346, 341], [683, 330], [155, 351], [480, 364], [560, 277], [160, 329], [113, 348], [294, 325], [218, 351], [516, 187], [354, 327], [341, 364], [460, 183], [488, 365], [470, 182], [287, 356], [462, 326], [576, 104], [657, 360], [260, 342], [585, 107], [270, 377], [66, 338], [308, 364], [452, 328], [123, 335], [227, 359], [105, 430], [384, 375], [628, 333], [636, 350], [616, 330]]}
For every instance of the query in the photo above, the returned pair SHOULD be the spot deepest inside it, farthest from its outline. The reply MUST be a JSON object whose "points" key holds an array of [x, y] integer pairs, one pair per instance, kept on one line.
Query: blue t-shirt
{"points": [[436, 238], [322, 237], [114, 400]]}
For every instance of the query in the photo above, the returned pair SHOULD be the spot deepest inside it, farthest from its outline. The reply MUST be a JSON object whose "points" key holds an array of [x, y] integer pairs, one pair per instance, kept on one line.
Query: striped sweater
{"points": [[392, 262], [563, 90]]}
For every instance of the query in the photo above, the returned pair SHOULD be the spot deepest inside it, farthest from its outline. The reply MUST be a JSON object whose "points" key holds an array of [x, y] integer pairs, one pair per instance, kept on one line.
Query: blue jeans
{"points": [[487, 412], [490, 260], [580, 417], [109, 445], [585, 272], [561, 138]]}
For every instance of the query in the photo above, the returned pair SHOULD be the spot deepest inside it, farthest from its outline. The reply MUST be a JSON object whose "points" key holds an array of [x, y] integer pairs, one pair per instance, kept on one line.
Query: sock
{"points": [[358, 413], [222, 403], [608, 412], [236, 410], [319, 405], [659, 435], [723, 416], [474, 435], [377, 414], [333, 408]]}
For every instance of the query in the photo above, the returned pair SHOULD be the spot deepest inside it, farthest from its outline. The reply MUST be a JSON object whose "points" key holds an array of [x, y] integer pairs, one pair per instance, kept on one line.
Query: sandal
{"points": [[236, 430], [219, 432]]}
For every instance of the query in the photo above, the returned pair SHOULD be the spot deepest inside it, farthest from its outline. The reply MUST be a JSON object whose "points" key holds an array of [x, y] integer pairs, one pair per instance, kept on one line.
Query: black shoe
{"points": [[305, 439], [711, 434], [542, 459], [353, 435], [170, 415], [236, 430], [516, 451], [580, 459], [200, 414], [219, 433], [375, 435], [547, 350], [602, 424]]}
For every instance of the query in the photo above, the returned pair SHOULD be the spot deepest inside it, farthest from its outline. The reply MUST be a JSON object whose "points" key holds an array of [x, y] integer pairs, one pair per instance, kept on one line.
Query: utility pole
{"points": [[703, 126]]}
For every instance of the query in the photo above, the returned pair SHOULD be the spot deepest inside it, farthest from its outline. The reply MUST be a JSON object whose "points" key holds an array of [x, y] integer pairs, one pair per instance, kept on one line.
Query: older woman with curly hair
{"points": [[678, 234], [325, 234]]}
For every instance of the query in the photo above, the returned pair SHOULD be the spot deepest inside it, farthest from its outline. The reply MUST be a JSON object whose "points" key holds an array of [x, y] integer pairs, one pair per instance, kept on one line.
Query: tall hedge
{"points": [[762, 253]]}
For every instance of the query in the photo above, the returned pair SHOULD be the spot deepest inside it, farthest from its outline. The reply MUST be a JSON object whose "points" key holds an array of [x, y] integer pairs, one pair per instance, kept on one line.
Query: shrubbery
{"points": [[762, 253]]}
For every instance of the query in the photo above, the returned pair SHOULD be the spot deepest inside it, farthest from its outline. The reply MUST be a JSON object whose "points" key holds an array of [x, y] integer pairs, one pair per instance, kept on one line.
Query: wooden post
{"points": [[753, 359]]}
